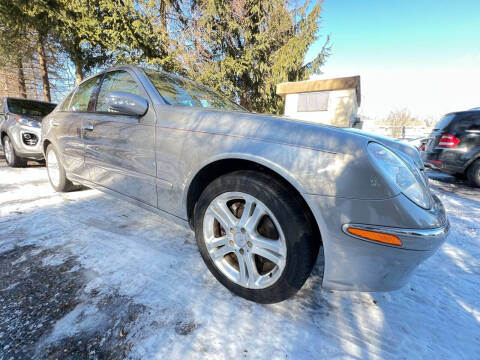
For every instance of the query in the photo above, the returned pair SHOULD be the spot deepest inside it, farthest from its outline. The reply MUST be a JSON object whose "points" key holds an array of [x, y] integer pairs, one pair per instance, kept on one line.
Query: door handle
{"points": [[55, 123], [88, 127]]}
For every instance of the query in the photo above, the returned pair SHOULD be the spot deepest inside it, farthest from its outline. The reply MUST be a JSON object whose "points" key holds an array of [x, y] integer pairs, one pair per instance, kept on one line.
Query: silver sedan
{"points": [[266, 196]]}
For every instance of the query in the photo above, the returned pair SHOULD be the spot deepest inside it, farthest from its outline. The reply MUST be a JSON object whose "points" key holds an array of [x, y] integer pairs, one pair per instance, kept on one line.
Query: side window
{"points": [[66, 102], [476, 122], [116, 81], [82, 95]]}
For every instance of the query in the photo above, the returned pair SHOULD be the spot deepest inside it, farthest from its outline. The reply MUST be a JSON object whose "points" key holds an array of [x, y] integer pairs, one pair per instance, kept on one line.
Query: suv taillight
{"points": [[448, 141]]}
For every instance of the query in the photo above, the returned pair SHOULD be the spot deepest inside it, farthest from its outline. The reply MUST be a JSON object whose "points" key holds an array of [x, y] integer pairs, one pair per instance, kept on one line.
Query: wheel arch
{"points": [[45, 144], [471, 161], [3, 133], [224, 165]]}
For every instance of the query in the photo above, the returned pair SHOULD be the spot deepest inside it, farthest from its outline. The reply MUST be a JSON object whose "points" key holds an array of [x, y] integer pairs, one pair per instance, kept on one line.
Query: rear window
{"points": [[442, 124], [32, 108]]}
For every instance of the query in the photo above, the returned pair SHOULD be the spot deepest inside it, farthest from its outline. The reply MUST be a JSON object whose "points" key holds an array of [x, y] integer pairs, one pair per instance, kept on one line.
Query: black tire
{"points": [[473, 173], [295, 221], [15, 160], [64, 185]]}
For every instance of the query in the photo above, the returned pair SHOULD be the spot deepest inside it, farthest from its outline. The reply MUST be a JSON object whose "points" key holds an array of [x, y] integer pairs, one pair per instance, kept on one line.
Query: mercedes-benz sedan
{"points": [[266, 196]]}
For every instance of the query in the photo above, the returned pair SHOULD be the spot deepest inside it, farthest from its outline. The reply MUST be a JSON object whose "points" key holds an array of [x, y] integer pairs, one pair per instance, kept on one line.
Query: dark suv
{"points": [[454, 145]]}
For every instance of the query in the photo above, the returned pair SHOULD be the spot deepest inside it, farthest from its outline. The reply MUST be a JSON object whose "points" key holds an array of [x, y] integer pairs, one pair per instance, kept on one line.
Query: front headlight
{"points": [[28, 122], [396, 171]]}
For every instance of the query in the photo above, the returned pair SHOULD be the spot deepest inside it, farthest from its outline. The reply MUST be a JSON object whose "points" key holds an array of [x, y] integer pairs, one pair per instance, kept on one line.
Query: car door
{"points": [[120, 148], [68, 126]]}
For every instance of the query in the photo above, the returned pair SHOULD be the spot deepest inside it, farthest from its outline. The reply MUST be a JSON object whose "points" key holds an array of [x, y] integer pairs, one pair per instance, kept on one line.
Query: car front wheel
{"points": [[255, 236], [13, 160]]}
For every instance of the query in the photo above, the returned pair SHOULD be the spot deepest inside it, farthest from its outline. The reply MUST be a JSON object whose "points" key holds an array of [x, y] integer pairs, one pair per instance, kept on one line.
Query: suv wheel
{"points": [[473, 173], [255, 236], [13, 160]]}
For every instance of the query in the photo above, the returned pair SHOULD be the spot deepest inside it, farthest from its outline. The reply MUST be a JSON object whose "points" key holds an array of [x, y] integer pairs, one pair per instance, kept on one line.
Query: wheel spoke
{"points": [[216, 242], [264, 243], [223, 215], [219, 253], [275, 258], [242, 273], [253, 220], [253, 274], [246, 212]]}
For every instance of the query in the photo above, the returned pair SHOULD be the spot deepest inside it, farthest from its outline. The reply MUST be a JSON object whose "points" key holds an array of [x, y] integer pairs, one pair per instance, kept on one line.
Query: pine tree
{"points": [[244, 48]]}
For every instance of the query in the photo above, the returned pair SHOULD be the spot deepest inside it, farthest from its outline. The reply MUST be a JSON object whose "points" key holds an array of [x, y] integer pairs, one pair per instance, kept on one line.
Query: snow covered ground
{"points": [[83, 275]]}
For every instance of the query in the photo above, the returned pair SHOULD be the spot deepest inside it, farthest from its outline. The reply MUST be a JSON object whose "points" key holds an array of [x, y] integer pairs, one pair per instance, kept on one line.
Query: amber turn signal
{"points": [[375, 236]]}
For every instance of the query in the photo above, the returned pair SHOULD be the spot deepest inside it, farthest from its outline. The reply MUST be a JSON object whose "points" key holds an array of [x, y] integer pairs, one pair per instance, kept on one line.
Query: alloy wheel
{"points": [[8, 150], [244, 240]]}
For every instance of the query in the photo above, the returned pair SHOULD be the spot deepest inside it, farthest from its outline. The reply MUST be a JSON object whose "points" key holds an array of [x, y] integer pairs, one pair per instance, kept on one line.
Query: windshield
{"points": [[183, 92], [29, 108]]}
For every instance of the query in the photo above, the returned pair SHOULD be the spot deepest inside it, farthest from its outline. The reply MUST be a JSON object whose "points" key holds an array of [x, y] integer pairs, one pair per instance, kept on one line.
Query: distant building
{"points": [[331, 101]]}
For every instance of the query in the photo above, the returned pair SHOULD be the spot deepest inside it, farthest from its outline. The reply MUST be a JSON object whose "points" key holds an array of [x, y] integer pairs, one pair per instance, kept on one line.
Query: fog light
{"points": [[29, 139], [375, 236]]}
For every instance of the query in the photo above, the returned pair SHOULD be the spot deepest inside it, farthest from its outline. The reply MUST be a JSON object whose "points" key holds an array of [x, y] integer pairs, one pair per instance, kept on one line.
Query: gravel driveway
{"points": [[86, 276]]}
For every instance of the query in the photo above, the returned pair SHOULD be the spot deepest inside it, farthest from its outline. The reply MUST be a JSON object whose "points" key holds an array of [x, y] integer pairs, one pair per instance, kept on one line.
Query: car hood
{"points": [[299, 133], [29, 117]]}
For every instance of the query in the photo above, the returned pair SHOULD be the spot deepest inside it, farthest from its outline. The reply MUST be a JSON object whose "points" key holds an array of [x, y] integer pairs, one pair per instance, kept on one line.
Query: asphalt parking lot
{"points": [[86, 276]]}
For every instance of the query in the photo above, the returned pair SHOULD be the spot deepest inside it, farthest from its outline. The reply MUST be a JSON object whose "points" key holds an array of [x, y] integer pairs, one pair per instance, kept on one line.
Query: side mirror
{"points": [[126, 103]]}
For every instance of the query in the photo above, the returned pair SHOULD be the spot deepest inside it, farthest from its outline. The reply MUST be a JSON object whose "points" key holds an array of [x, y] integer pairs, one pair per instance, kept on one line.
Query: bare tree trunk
{"points": [[78, 72], [163, 14], [42, 59], [21, 79]]}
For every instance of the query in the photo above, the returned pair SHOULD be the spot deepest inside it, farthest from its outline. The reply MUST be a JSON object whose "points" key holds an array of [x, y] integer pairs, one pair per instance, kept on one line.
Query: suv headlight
{"points": [[397, 172], [28, 122]]}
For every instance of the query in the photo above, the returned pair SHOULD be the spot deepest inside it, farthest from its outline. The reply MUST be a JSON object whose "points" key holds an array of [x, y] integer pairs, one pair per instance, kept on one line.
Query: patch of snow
{"points": [[128, 251]]}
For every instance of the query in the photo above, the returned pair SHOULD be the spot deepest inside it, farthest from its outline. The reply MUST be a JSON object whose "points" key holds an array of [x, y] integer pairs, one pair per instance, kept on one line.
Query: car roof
{"points": [[136, 68], [465, 112]]}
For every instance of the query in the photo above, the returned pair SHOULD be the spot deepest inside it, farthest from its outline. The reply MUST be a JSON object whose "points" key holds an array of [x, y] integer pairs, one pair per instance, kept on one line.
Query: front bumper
{"points": [[353, 263], [22, 148]]}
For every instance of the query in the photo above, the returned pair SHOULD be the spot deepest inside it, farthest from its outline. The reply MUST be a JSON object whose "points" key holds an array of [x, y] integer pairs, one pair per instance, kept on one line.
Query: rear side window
{"points": [[116, 81], [467, 122], [83, 94], [446, 120]]}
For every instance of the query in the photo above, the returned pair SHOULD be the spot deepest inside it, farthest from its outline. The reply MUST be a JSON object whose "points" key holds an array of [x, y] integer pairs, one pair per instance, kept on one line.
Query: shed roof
{"points": [[351, 82]]}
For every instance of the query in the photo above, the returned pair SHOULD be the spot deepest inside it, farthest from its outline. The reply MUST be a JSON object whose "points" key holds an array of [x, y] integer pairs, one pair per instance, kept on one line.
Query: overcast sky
{"points": [[423, 54]]}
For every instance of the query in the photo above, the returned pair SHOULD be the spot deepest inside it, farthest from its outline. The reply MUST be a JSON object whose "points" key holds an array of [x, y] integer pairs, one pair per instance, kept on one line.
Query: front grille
{"points": [[29, 139]]}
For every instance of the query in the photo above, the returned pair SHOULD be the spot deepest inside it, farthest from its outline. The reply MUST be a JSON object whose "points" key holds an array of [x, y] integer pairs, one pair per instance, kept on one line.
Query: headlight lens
{"points": [[399, 174], [28, 122]]}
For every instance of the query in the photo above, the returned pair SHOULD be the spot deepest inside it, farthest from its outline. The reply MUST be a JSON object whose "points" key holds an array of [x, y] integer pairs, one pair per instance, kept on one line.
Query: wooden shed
{"points": [[329, 101]]}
